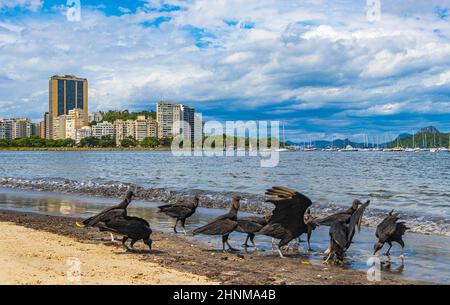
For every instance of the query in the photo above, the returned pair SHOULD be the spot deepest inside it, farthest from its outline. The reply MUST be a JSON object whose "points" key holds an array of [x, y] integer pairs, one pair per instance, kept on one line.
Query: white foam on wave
{"points": [[251, 203]]}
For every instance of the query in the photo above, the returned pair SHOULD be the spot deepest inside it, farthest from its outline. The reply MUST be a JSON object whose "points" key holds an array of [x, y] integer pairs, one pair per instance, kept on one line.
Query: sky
{"points": [[325, 69]]}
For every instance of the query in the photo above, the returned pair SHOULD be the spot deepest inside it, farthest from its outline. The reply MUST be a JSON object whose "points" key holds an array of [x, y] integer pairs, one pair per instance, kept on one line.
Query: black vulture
{"points": [[250, 225], [287, 221], [342, 233], [114, 211], [223, 225], [129, 227], [180, 212], [343, 216], [388, 231]]}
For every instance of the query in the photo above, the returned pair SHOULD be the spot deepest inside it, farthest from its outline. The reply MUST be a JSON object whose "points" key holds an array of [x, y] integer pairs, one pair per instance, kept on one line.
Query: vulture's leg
{"points": [[175, 226], [246, 240], [182, 225], [252, 237], [330, 254], [273, 243], [148, 242], [228, 244], [112, 238], [281, 254], [124, 240], [402, 255], [309, 241], [133, 241], [388, 251], [224, 239]]}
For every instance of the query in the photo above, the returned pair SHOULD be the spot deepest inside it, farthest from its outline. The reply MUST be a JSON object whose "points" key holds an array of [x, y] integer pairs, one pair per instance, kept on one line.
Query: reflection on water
{"points": [[427, 257]]}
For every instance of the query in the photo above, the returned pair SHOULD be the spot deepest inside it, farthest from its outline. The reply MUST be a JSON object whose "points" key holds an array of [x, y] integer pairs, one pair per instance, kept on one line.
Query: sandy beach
{"points": [[36, 249], [30, 256]]}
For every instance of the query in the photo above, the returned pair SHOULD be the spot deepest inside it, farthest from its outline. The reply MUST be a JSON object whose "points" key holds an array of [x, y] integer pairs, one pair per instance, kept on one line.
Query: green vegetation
{"points": [[129, 142], [150, 142], [35, 141], [422, 139], [113, 115], [234, 141]]}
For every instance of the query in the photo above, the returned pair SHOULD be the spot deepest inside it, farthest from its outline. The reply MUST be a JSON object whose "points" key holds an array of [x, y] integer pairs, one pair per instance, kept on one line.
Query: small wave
{"points": [[209, 199]]}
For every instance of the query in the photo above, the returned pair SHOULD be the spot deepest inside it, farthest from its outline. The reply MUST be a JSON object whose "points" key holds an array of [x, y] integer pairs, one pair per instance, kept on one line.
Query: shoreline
{"points": [[171, 255], [251, 203], [84, 149]]}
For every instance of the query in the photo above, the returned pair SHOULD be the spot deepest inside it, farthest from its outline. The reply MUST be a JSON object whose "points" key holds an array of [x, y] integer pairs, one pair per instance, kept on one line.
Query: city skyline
{"points": [[324, 72]]}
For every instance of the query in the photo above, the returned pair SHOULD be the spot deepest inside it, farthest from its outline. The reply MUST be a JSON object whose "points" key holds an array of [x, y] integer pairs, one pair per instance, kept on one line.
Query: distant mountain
{"points": [[403, 136], [429, 129], [425, 137]]}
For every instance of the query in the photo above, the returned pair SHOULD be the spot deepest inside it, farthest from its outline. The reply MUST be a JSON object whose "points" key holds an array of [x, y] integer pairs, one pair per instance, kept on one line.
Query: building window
{"points": [[80, 95], [60, 97], [70, 95]]}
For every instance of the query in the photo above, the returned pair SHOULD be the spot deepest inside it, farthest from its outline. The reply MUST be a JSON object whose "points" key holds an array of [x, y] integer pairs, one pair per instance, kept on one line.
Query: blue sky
{"points": [[322, 67]]}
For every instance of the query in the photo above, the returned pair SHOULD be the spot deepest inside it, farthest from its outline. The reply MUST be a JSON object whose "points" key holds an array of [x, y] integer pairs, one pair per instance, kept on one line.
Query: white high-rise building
{"points": [[74, 120], [83, 132], [59, 127], [5, 129], [103, 129], [20, 128], [123, 129], [168, 116], [140, 128]]}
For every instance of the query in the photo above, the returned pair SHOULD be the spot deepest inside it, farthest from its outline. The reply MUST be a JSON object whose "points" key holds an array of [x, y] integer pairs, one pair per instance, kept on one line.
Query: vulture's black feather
{"points": [[222, 225], [287, 220], [180, 212]]}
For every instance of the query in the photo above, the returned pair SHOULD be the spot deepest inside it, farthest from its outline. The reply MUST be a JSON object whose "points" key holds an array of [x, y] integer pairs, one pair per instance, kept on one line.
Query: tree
{"points": [[165, 142], [89, 142], [128, 142], [107, 141], [5, 143], [150, 142]]}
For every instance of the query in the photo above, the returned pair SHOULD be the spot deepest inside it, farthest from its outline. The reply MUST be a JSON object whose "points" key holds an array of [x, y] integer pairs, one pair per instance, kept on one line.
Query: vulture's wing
{"points": [[338, 234], [250, 224], [329, 220], [356, 219], [178, 211], [290, 207], [163, 208], [104, 215], [387, 227], [130, 226], [217, 227]]}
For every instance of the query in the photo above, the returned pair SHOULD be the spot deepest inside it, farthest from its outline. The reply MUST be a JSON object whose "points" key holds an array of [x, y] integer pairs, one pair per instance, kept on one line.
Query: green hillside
{"points": [[426, 137]]}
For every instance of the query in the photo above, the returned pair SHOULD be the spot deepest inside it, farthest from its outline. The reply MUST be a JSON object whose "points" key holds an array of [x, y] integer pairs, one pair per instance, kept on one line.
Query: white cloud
{"points": [[32, 5], [292, 55]]}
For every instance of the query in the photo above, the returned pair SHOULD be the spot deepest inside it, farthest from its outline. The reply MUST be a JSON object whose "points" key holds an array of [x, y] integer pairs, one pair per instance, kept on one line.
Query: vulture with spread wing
{"points": [[180, 212], [287, 221], [342, 233], [107, 214], [223, 225], [388, 231]]}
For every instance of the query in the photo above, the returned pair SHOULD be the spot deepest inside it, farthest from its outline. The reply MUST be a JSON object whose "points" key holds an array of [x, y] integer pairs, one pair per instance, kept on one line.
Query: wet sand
{"points": [[36, 249]]}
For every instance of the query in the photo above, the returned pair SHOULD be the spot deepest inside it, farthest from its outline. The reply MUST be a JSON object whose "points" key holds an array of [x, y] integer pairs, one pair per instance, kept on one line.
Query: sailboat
{"points": [[283, 148], [413, 148]]}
